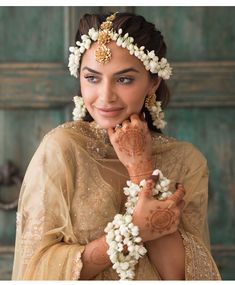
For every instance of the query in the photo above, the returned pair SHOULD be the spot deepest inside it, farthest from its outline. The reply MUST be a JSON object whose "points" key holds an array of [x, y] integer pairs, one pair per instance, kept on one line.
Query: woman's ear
{"points": [[155, 85]]}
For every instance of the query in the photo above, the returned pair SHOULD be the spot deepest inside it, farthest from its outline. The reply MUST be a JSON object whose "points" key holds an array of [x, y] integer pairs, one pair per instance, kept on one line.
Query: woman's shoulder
{"points": [[191, 152], [184, 149], [79, 134], [71, 129]]}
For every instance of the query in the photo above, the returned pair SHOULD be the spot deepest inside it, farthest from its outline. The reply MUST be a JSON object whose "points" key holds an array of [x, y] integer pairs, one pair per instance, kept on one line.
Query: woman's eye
{"points": [[125, 80], [91, 78]]}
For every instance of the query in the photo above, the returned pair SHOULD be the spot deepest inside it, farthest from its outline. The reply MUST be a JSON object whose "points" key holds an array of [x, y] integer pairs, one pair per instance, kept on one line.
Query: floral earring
{"points": [[155, 110], [79, 112]]}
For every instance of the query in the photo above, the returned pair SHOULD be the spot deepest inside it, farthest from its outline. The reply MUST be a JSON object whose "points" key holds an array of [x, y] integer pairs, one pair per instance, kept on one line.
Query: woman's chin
{"points": [[105, 124]]}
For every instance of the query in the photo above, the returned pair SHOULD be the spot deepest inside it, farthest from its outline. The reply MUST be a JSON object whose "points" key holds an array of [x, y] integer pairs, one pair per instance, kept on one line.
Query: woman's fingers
{"points": [[135, 117], [176, 197], [181, 205], [146, 192], [110, 131]]}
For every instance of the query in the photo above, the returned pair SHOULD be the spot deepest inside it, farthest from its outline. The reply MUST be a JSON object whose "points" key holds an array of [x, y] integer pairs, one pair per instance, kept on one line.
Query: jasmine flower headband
{"points": [[106, 34]]}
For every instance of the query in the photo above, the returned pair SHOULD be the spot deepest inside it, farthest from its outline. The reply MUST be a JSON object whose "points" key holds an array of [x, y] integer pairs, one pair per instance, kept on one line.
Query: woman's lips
{"points": [[109, 112]]}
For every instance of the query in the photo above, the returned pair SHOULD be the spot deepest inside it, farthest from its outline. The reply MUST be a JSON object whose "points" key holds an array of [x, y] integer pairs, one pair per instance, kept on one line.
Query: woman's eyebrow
{"points": [[116, 73], [126, 70], [91, 70]]}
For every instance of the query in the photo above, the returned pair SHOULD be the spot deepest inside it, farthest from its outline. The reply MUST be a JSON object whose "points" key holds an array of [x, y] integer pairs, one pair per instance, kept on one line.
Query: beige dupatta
{"points": [[73, 188]]}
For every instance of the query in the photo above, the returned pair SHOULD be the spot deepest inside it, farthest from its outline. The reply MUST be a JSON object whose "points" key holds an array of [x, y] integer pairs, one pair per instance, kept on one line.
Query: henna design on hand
{"points": [[176, 197], [132, 142], [160, 220], [141, 170]]}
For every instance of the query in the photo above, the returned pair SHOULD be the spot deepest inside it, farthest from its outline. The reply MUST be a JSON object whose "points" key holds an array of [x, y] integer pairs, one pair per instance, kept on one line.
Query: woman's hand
{"points": [[157, 218], [133, 145]]}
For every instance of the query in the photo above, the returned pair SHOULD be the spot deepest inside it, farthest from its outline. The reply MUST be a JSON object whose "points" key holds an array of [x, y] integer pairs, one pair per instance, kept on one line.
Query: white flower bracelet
{"points": [[125, 245]]}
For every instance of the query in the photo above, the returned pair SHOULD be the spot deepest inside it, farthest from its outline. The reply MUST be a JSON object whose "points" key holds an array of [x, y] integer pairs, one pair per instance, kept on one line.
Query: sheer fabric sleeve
{"points": [[46, 247], [199, 264]]}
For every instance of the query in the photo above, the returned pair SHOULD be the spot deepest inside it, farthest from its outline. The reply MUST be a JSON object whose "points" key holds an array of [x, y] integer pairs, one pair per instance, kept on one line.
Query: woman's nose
{"points": [[107, 93]]}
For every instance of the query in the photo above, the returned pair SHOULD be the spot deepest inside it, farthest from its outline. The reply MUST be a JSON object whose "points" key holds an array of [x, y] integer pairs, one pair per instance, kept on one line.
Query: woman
{"points": [[74, 220]]}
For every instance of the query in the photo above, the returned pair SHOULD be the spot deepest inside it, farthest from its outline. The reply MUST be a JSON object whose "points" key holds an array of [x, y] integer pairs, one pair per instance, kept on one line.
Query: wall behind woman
{"points": [[201, 44], [36, 92]]}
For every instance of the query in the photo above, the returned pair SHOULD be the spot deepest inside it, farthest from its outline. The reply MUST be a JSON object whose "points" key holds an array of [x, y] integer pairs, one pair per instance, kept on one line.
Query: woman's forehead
{"points": [[120, 59]]}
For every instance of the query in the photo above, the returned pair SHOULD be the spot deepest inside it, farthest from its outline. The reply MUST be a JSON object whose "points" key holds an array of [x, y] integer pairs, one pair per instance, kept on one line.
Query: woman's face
{"points": [[114, 90]]}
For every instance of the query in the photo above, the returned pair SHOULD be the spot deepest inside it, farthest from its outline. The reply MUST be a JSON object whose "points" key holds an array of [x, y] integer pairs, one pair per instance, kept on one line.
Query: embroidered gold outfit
{"points": [[74, 186]]}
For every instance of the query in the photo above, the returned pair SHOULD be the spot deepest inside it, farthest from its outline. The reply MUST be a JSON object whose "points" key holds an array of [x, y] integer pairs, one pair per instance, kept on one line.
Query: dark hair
{"points": [[144, 34]]}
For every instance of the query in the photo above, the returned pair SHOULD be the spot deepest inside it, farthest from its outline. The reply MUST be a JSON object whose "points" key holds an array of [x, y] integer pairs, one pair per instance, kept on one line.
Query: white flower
{"points": [[118, 217], [118, 238], [131, 248], [110, 233], [82, 49], [151, 54], [121, 231], [120, 247], [149, 59], [157, 115], [138, 239], [126, 240], [84, 37], [166, 194], [113, 244], [87, 44], [128, 218], [135, 230], [124, 44], [142, 250], [119, 41], [80, 110], [124, 265], [93, 34], [153, 65], [116, 265]]}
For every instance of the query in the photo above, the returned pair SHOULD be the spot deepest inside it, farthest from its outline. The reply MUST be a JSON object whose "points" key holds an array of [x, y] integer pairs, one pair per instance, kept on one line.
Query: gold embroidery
{"points": [[93, 193], [77, 266], [199, 264], [97, 139], [32, 229], [193, 216]]}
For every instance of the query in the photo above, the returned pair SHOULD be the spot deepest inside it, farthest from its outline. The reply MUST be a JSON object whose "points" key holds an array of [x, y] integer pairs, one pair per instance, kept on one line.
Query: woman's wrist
{"points": [[140, 171], [95, 258]]}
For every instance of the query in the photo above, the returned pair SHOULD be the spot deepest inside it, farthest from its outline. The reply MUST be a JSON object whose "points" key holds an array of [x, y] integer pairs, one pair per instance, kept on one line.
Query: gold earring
{"points": [[155, 110], [150, 100]]}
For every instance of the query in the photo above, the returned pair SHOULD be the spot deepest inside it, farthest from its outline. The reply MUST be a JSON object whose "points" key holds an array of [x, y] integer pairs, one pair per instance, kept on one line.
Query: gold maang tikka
{"points": [[102, 52]]}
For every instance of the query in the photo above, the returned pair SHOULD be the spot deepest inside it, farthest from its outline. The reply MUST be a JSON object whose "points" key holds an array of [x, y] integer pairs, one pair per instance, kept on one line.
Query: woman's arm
{"points": [[168, 256], [138, 161], [95, 258]]}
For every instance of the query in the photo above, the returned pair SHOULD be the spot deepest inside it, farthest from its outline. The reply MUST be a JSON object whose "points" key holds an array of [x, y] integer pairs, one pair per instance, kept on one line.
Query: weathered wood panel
{"points": [[23, 129], [203, 84], [31, 34], [36, 85], [195, 33], [36, 92], [40, 85], [210, 129], [6, 262]]}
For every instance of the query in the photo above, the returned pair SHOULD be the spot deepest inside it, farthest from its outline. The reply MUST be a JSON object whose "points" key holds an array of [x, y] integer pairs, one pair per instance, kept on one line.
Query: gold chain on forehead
{"points": [[102, 52]]}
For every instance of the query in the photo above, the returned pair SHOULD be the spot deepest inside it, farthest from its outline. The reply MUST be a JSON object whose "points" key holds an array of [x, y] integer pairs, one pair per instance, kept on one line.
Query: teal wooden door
{"points": [[36, 95], [201, 46]]}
